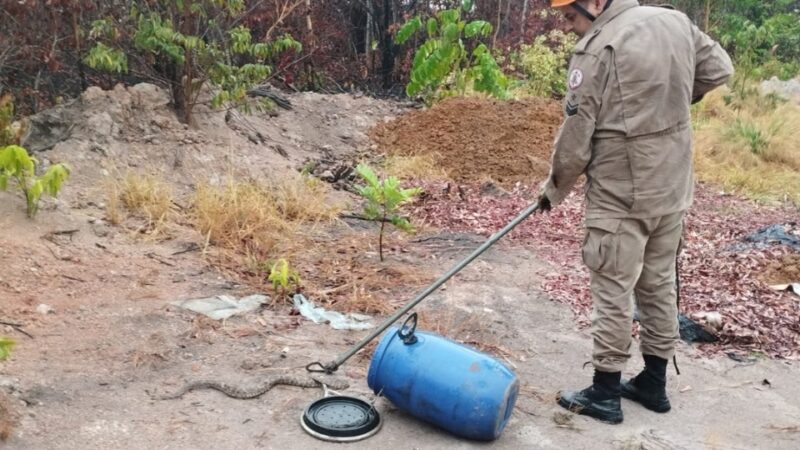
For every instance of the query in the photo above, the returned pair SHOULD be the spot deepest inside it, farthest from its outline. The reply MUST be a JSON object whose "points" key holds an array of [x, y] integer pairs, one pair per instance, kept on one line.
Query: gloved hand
{"points": [[544, 203]]}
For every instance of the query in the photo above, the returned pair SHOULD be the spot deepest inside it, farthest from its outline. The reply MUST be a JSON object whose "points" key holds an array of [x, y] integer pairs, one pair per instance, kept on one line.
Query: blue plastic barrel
{"points": [[454, 387]]}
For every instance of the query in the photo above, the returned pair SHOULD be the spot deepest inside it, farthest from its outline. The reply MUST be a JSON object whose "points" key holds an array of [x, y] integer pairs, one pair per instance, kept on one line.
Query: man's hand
{"points": [[544, 203]]}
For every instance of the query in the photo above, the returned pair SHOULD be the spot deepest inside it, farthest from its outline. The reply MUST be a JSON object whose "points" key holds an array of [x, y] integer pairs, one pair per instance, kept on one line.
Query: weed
{"points": [[283, 278], [755, 138]]}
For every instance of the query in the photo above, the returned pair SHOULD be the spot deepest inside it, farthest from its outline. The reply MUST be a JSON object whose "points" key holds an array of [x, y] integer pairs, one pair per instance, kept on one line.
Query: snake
{"points": [[259, 389]]}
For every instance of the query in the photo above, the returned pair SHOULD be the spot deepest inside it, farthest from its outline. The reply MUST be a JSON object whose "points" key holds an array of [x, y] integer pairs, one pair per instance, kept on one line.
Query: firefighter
{"points": [[632, 78]]}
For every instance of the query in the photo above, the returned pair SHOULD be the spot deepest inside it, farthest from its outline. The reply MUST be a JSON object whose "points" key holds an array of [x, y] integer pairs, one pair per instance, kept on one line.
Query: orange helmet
{"points": [[578, 7]]}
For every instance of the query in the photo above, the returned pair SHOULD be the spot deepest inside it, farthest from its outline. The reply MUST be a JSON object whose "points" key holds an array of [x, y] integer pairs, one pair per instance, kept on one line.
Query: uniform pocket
{"points": [[612, 187], [601, 245]]}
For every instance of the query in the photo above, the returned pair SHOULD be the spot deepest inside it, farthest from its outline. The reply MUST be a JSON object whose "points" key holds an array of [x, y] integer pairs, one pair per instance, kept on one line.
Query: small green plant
{"points": [[443, 66], [16, 165], [6, 344], [756, 139], [284, 279], [384, 197]]}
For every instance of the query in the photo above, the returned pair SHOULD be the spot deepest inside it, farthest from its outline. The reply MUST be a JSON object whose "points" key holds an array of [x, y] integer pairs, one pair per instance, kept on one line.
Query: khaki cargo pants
{"points": [[632, 259]]}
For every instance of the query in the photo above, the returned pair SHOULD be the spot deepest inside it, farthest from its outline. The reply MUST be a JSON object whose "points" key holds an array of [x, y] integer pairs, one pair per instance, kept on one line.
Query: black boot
{"points": [[649, 387], [600, 400]]}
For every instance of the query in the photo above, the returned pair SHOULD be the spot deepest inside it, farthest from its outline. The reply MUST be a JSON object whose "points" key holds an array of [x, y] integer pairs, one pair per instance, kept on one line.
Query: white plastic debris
{"points": [[791, 287], [715, 320], [222, 306], [336, 320], [45, 309]]}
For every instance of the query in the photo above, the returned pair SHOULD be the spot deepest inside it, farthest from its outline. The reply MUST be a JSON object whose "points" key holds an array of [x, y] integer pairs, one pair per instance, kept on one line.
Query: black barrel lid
{"points": [[341, 418]]}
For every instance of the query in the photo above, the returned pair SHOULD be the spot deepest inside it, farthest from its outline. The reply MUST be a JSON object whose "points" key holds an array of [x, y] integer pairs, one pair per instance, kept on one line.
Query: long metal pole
{"points": [[334, 365]]}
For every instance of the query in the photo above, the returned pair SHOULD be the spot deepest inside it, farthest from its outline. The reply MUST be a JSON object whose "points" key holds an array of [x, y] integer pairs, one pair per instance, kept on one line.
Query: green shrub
{"points": [[542, 65], [762, 47]]}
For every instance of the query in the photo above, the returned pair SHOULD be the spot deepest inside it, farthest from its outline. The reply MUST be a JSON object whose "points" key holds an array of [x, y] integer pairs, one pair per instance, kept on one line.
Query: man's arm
{"points": [[573, 146], [713, 66]]}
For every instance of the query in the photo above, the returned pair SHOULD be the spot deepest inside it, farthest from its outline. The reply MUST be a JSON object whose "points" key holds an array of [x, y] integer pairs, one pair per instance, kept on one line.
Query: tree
{"points": [[384, 198], [189, 43], [444, 65]]}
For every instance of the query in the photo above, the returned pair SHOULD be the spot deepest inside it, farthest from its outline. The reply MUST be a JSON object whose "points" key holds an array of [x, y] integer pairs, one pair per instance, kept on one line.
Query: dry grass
{"points": [[147, 195], [254, 217], [142, 195], [414, 167], [752, 150], [303, 199], [239, 214], [114, 213], [342, 271]]}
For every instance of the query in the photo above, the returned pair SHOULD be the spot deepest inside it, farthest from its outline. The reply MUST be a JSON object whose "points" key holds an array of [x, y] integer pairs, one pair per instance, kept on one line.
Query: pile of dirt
{"points": [[475, 138], [785, 270]]}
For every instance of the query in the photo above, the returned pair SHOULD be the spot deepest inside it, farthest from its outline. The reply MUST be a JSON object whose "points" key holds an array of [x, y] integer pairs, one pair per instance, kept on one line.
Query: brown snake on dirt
{"points": [[249, 392]]}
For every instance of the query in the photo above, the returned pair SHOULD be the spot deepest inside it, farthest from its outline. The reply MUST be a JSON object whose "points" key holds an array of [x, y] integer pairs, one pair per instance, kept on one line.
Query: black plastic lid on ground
{"points": [[341, 418]]}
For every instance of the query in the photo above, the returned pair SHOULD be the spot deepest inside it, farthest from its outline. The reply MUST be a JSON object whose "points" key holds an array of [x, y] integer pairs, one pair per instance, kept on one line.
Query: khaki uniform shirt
{"points": [[631, 82]]}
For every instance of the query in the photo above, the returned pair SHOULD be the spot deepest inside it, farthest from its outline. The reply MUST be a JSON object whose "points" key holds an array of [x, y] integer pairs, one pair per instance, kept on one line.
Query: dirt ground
{"points": [[108, 339], [478, 139], [786, 270]]}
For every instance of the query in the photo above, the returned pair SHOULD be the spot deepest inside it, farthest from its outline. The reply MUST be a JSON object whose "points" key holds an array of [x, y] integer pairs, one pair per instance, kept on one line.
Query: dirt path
{"points": [[84, 381], [96, 299]]}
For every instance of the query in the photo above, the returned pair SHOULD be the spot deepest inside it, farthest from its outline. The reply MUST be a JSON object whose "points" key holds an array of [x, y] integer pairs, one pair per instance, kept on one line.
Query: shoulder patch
{"points": [[575, 78]]}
